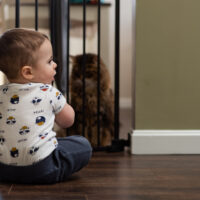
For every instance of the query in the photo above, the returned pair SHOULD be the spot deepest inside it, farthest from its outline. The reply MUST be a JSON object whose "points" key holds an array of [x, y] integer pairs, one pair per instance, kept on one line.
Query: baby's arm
{"points": [[65, 118]]}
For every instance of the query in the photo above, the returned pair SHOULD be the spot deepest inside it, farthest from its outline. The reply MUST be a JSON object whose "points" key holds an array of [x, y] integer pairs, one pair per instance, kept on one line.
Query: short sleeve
{"points": [[57, 100]]}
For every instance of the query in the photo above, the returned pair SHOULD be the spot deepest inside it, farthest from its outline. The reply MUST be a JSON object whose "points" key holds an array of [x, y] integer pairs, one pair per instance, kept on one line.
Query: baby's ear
{"points": [[26, 72]]}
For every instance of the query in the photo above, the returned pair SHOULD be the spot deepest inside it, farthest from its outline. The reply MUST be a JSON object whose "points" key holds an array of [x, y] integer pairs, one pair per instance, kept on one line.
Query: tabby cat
{"points": [[106, 100]]}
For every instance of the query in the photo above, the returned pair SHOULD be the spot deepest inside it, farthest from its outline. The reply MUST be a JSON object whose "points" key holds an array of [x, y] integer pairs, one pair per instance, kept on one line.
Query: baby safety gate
{"points": [[60, 36]]}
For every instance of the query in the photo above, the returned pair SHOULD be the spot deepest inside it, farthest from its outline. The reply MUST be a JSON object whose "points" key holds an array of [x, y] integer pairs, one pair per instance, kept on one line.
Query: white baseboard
{"points": [[165, 142], [125, 102]]}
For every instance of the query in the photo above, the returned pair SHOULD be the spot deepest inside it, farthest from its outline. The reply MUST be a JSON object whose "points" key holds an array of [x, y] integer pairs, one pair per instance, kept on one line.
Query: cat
{"points": [[106, 100]]}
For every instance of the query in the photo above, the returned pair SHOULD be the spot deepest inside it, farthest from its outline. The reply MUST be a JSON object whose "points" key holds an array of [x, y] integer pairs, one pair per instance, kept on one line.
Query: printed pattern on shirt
{"points": [[26, 121]]}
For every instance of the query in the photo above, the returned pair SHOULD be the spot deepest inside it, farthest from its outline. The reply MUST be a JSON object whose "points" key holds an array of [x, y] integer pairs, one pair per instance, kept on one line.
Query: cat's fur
{"points": [[106, 100]]}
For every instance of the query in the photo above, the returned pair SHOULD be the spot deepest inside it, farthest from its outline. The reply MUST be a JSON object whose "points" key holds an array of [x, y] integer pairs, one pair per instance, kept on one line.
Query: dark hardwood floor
{"points": [[121, 176]]}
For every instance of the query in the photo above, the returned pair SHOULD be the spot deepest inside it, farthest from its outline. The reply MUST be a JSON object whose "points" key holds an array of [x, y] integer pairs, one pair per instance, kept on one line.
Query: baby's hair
{"points": [[18, 48]]}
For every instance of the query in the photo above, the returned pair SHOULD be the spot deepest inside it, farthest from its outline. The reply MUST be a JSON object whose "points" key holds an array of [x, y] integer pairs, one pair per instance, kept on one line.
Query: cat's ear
{"points": [[71, 59]]}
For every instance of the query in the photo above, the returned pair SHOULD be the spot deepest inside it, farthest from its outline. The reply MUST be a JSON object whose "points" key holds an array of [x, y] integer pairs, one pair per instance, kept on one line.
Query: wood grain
{"points": [[121, 176]]}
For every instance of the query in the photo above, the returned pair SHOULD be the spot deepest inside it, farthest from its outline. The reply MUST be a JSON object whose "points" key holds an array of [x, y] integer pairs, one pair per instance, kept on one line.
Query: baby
{"points": [[29, 105]]}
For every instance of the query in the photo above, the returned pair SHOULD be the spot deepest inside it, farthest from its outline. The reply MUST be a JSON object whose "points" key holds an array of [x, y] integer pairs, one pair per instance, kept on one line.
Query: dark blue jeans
{"points": [[72, 154]]}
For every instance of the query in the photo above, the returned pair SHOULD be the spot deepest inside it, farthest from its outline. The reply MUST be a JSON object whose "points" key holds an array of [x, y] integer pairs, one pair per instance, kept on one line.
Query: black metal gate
{"points": [[60, 36]]}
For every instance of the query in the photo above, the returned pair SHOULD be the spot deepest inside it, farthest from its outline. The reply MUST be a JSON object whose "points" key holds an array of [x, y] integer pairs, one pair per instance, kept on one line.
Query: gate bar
{"points": [[98, 81], [83, 67], [117, 63], [52, 22], [68, 48], [59, 40], [17, 13], [36, 15]]}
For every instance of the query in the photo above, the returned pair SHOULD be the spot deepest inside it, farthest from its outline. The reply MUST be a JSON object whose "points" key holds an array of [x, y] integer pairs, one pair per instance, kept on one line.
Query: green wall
{"points": [[167, 64]]}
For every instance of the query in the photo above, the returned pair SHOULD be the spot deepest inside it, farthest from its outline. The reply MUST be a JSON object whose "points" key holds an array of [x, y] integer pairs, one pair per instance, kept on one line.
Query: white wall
{"points": [[126, 48]]}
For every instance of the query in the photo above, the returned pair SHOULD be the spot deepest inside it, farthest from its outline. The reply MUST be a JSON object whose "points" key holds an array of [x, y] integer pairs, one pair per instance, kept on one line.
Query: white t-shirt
{"points": [[27, 113]]}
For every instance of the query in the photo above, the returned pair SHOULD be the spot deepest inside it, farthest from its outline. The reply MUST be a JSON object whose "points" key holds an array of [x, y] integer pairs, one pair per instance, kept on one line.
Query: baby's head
{"points": [[19, 48]]}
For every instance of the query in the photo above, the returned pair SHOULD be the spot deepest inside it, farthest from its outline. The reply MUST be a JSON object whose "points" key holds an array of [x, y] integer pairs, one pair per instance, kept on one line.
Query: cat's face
{"points": [[90, 71], [90, 63]]}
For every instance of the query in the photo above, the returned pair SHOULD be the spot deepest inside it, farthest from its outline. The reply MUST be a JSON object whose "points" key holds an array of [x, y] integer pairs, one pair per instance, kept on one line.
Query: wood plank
{"points": [[121, 176], [5, 189], [30, 196]]}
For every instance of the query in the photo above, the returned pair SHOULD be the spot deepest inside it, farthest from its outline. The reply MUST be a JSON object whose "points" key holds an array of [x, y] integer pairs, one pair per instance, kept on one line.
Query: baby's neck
{"points": [[18, 81]]}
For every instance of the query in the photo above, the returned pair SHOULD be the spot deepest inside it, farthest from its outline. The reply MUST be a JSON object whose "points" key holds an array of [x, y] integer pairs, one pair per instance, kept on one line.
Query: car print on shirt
{"points": [[11, 120], [55, 143], [2, 140], [14, 99], [5, 90], [43, 135], [33, 150], [24, 130], [58, 95], [36, 101], [44, 87], [40, 120], [14, 152]]}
